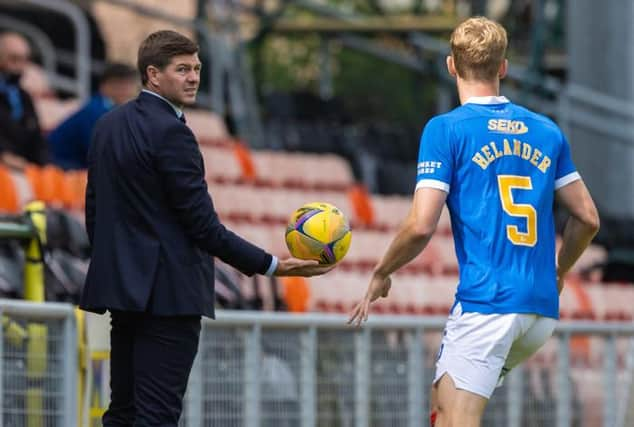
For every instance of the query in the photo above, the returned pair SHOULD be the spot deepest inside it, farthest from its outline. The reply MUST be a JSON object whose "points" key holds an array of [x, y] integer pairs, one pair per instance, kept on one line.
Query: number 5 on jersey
{"points": [[506, 185]]}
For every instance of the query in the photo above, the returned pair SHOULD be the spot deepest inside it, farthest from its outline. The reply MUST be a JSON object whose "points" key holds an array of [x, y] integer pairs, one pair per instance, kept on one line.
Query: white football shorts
{"points": [[477, 350]]}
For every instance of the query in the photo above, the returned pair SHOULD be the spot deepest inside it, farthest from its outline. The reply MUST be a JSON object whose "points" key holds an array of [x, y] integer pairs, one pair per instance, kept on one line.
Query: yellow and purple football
{"points": [[318, 231]]}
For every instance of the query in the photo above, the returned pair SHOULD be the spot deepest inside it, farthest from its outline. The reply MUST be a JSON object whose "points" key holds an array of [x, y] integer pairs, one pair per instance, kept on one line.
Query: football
{"points": [[318, 231]]}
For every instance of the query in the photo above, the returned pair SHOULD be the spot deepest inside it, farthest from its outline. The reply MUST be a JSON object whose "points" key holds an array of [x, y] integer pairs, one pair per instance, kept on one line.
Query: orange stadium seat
{"points": [[245, 160], [9, 200], [74, 189], [361, 204], [296, 293], [52, 185]]}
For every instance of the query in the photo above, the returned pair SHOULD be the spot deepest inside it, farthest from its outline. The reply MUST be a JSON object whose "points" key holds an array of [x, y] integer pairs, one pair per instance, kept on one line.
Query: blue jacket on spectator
{"points": [[69, 142]]}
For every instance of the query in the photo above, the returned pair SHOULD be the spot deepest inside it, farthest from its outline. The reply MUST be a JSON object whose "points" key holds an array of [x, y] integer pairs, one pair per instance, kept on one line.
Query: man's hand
{"points": [[301, 267], [378, 287]]}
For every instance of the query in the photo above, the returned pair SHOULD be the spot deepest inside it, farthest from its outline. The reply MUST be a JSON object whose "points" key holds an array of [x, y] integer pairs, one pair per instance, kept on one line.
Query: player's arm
{"points": [[414, 233], [411, 238], [581, 227]]}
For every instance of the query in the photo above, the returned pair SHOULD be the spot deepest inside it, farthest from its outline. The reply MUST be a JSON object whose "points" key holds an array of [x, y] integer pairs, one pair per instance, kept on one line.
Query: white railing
{"points": [[276, 369], [38, 364], [272, 369]]}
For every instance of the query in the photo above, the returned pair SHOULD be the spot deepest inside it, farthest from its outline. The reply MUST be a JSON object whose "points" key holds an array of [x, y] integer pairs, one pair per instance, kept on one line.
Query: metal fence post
{"points": [[515, 383], [416, 379], [194, 408], [252, 376], [308, 374], [563, 381], [362, 377], [69, 379], [609, 382]]}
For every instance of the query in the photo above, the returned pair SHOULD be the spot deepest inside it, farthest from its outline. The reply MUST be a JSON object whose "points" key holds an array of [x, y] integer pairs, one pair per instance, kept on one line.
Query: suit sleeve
{"points": [[180, 164]]}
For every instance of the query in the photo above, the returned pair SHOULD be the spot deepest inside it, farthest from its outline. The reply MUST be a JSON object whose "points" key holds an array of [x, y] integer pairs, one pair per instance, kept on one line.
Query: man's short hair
{"points": [[478, 48], [160, 47], [117, 71]]}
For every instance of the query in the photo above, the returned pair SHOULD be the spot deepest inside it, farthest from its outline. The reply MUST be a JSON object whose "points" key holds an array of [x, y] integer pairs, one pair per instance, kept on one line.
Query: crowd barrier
{"points": [[261, 369]]}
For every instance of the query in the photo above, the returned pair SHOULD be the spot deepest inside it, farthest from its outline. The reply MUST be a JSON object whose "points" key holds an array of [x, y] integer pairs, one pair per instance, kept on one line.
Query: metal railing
{"points": [[80, 83], [271, 369], [38, 364]]}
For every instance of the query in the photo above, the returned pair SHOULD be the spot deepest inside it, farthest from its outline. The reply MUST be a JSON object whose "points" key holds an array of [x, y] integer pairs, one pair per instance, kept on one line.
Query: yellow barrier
{"points": [[37, 344]]}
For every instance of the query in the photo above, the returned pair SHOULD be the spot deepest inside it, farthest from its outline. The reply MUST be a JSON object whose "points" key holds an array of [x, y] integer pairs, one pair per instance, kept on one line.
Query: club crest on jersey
{"points": [[515, 127]]}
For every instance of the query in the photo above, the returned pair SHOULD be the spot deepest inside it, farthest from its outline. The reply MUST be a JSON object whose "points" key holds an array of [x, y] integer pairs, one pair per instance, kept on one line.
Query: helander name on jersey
{"points": [[494, 150]]}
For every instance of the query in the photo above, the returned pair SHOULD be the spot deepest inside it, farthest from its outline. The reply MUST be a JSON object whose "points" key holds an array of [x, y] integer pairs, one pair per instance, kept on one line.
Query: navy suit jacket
{"points": [[150, 219]]}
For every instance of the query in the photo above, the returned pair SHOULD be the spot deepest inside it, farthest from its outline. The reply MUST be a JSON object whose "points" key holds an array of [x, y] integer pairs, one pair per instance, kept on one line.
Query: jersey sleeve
{"points": [[435, 163], [566, 170]]}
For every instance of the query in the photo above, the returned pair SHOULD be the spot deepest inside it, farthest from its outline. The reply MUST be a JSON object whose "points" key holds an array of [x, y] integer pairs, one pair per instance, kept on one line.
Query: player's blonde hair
{"points": [[478, 48]]}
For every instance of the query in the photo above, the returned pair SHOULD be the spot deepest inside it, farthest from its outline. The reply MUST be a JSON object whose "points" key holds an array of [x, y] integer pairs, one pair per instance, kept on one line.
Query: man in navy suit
{"points": [[152, 227]]}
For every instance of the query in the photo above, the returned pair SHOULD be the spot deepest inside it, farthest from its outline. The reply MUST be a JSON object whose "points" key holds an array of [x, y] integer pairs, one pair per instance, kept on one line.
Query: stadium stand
{"points": [[257, 207], [255, 191]]}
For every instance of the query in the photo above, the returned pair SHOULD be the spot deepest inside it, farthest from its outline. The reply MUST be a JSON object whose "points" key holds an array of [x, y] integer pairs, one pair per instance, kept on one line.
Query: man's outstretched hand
{"points": [[378, 287], [301, 267]]}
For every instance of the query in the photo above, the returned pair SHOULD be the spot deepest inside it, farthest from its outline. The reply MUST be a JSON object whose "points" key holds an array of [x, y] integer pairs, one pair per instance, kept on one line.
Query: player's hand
{"points": [[301, 267], [378, 287]]}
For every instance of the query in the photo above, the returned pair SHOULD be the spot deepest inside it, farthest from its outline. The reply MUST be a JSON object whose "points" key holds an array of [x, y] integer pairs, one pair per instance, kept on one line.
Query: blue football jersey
{"points": [[500, 165]]}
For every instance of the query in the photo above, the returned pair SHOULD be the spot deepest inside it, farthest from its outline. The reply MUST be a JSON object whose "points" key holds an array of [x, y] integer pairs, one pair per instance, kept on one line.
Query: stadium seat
{"points": [[9, 202], [593, 256], [318, 171], [23, 188], [337, 291], [221, 164], [206, 125], [296, 293], [446, 253], [361, 204], [269, 204], [390, 211]]}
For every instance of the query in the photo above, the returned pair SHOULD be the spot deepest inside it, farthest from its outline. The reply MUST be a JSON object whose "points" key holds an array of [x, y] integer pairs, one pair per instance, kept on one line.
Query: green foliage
{"points": [[288, 63], [372, 89], [380, 90]]}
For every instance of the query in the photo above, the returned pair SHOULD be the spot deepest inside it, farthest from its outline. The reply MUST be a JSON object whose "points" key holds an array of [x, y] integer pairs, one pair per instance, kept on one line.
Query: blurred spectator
{"points": [[20, 136], [70, 140]]}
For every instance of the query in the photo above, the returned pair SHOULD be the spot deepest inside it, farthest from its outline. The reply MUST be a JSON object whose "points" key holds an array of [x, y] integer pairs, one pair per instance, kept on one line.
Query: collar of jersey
{"points": [[487, 100]]}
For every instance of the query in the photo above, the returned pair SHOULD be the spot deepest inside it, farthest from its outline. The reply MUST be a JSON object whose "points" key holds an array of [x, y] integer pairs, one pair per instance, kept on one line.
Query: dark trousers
{"points": [[150, 360]]}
